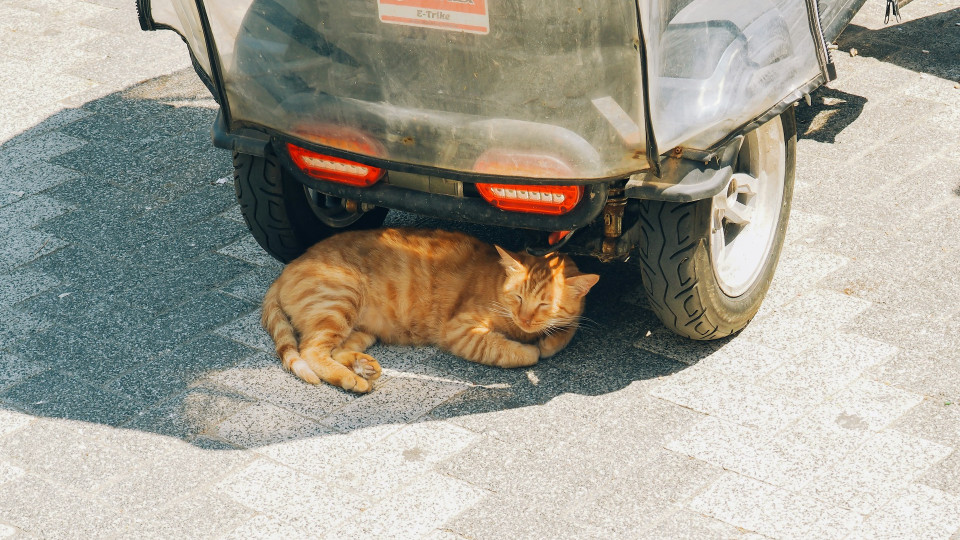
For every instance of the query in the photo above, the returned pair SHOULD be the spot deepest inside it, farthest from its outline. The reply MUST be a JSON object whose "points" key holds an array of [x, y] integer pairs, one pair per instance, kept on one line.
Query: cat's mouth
{"points": [[531, 327]]}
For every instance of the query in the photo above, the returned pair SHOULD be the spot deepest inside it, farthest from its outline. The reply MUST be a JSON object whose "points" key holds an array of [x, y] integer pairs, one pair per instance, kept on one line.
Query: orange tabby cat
{"points": [[419, 287]]}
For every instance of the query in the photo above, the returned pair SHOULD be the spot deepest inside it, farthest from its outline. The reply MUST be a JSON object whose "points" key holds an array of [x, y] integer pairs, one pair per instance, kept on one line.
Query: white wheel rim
{"points": [[746, 214]]}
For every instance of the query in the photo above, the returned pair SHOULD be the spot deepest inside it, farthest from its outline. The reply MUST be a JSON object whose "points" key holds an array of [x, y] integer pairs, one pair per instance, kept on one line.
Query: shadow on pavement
{"points": [[926, 45], [829, 113], [120, 297]]}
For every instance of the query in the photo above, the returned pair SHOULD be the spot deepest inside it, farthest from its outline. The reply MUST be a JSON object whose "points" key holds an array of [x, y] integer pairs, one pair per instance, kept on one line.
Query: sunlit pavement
{"points": [[139, 397]]}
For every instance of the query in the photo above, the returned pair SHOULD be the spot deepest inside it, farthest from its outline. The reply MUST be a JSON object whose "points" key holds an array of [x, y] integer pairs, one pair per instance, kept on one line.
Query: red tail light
{"points": [[551, 200], [334, 169]]}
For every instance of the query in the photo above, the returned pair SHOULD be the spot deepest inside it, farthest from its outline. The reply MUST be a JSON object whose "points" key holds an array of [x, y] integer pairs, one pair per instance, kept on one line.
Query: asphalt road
{"points": [[139, 397]]}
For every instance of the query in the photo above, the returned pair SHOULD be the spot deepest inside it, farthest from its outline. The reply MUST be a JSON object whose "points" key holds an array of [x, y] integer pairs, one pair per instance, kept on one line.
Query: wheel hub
{"points": [[745, 215]]}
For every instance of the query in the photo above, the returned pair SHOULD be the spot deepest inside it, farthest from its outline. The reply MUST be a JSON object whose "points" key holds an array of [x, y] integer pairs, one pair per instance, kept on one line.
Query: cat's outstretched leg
{"points": [[471, 338], [350, 353]]}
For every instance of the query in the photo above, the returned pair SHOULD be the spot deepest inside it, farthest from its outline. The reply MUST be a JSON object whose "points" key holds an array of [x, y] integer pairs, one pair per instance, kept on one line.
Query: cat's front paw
{"points": [[520, 356], [554, 343], [362, 364]]}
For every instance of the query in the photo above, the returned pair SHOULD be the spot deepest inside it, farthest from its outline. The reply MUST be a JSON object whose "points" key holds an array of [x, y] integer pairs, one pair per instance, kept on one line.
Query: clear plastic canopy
{"points": [[450, 83]]}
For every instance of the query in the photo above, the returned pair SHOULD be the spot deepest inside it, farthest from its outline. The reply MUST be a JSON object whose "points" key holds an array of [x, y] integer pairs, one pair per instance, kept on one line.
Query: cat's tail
{"points": [[277, 324]]}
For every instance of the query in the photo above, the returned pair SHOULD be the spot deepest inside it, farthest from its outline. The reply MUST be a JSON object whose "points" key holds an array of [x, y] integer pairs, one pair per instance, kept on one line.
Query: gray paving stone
{"points": [[9, 472], [799, 269], [424, 505], [781, 462], [261, 376], [253, 285], [874, 404], [107, 230], [746, 404], [511, 516], [89, 466], [98, 193], [764, 508], [94, 356], [402, 457], [934, 419], [930, 373], [22, 283], [12, 420], [246, 249], [19, 246], [15, 325], [201, 313], [185, 243], [657, 489], [802, 323], [945, 475], [39, 146], [58, 395], [202, 515], [920, 512], [875, 473], [263, 527], [401, 399], [295, 498], [54, 511], [740, 359], [83, 268], [14, 369], [31, 211], [173, 372], [827, 368], [692, 525], [663, 342], [248, 330], [305, 446], [82, 310], [191, 413]]}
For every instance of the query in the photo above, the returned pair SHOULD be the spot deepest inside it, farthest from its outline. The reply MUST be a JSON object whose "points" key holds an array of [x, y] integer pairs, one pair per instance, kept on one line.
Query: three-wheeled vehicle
{"points": [[661, 131]]}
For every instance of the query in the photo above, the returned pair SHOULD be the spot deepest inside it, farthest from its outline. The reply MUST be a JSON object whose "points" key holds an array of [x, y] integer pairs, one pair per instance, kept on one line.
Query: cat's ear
{"points": [[583, 283], [509, 261]]}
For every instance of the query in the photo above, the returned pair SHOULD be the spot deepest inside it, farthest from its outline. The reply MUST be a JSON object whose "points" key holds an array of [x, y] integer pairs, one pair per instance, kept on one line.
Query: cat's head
{"points": [[543, 293]]}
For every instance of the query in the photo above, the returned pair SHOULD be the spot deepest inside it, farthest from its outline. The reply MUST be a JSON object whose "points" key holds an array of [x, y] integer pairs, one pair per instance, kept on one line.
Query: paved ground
{"points": [[138, 396]]}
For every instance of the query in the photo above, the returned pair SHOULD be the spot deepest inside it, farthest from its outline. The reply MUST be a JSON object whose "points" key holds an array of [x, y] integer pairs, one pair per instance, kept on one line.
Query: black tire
{"points": [[278, 211], [677, 267]]}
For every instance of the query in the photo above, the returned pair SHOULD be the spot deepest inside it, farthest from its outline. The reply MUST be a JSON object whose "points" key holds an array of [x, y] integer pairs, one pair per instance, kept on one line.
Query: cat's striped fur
{"points": [[419, 287]]}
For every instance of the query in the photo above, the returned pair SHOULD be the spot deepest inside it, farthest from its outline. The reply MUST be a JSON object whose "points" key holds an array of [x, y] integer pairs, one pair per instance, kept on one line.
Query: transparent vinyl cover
{"points": [[718, 64], [461, 81], [462, 84]]}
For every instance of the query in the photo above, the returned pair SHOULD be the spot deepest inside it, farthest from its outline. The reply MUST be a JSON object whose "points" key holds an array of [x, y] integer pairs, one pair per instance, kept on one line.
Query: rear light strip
{"points": [[334, 169], [551, 200]]}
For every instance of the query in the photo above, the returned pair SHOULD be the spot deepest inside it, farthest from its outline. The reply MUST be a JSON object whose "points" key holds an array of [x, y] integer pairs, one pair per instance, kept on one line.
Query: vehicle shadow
{"points": [[134, 293], [830, 112], [928, 44]]}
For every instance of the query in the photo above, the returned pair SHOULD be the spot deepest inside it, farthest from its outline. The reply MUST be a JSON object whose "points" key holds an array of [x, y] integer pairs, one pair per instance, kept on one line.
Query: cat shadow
{"points": [[132, 301]]}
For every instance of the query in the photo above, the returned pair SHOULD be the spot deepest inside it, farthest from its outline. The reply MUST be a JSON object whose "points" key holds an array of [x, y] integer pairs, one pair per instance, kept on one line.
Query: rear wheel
{"points": [[286, 217], [707, 265]]}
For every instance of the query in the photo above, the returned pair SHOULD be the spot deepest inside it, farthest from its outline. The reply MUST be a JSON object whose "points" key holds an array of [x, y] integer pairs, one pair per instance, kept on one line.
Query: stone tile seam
{"points": [[105, 385], [215, 487], [802, 489], [158, 404], [52, 369]]}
